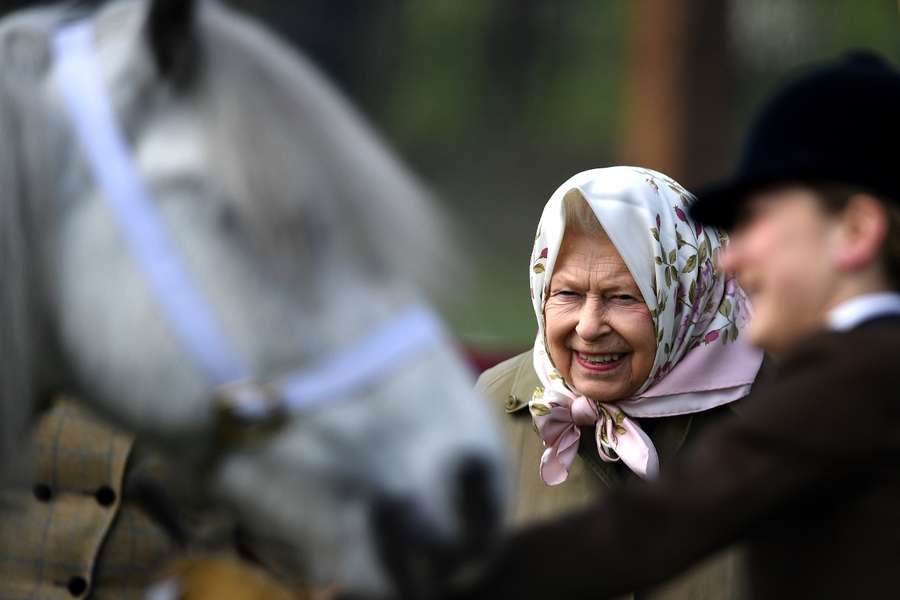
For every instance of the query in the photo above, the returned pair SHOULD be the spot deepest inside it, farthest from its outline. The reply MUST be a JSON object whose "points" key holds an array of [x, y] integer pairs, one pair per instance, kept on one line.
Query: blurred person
{"points": [[638, 346], [809, 476]]}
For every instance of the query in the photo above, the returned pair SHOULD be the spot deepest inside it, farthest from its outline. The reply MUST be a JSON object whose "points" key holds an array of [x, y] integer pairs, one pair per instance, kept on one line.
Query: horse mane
{"points": [[20, 60], [291, 153], [306, 146], [14, 298]]}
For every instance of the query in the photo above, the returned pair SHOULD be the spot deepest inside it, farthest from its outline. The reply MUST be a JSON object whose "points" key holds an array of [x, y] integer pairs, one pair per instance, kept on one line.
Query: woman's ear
{"points": [[863, 229], [172, 38]]}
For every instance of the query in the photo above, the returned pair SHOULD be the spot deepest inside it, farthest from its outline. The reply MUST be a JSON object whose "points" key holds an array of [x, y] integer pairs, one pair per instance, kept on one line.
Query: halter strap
{"points": [[109, 159], [200, 334]]}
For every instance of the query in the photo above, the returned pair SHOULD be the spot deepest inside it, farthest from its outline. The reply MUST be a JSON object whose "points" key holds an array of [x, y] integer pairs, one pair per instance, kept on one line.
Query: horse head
{"points": [[306, 246]]}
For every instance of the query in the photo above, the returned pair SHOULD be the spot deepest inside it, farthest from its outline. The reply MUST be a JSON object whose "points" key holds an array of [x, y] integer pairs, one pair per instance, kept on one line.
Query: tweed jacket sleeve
{"points": [[52, 528]]}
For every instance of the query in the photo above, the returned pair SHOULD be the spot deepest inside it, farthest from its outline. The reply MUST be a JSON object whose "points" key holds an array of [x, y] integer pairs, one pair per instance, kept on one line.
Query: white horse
{"points": [[301, 235]]}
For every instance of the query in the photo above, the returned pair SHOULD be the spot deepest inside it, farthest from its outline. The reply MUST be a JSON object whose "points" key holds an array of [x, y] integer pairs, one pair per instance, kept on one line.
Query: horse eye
{"points": [[228, 219]]}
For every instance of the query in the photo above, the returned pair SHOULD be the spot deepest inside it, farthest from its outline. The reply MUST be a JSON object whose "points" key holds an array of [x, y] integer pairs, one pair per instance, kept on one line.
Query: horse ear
{"points": [[172, 37]]}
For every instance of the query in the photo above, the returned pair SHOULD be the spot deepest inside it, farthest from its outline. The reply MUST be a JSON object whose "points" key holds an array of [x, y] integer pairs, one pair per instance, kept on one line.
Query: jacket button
{"points": [[511, 402], [77, 586], [42, 492], [105, 496]]}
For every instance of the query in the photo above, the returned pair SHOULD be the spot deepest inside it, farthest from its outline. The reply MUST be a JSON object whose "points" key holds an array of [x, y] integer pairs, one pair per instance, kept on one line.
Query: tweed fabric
{"points": [[52, 532], [74, 530]]}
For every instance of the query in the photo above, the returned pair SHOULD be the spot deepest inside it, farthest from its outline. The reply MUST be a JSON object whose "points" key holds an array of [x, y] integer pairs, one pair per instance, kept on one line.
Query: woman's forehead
{"points": [[594, 243], [589, 255], [607, 270]]}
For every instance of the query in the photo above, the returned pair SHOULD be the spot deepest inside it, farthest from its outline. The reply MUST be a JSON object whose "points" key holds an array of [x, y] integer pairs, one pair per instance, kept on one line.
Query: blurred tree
{"points": [[513, 47], [709, 133], [11, 5], [679, 88], [495, 102], [346, 39]]}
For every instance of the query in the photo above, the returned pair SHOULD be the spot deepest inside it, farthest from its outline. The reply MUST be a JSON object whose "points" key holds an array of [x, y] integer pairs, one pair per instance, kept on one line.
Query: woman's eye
{"points": [[624, 297]]}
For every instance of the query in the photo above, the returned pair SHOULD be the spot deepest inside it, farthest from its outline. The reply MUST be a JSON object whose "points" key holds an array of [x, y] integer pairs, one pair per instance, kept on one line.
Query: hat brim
{"points": [[719, 205]]}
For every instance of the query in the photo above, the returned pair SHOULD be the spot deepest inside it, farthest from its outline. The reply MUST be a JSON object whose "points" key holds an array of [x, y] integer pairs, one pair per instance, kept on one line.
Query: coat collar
{"points": [[668, 434]]}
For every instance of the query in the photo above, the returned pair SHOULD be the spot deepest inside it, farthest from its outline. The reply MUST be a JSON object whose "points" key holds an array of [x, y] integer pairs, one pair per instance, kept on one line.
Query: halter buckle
{"points": [[247, 411]]}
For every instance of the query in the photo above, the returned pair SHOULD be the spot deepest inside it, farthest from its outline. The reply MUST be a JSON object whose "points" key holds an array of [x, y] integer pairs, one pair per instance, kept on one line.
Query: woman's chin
{"points": [[601, 385]]}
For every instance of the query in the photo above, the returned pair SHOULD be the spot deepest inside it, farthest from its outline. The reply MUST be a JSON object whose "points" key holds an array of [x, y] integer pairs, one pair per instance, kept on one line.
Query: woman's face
{"points": [[600, 333], [781, 252]]}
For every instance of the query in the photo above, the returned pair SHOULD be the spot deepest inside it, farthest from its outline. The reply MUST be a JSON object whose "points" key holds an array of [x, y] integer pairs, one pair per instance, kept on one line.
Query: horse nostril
{"points": [[476, 502], [419, 557]]}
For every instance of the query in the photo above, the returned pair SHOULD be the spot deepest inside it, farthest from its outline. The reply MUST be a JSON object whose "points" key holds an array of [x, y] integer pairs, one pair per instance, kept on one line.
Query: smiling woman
{"points": [[599, 330], [639, 341]]}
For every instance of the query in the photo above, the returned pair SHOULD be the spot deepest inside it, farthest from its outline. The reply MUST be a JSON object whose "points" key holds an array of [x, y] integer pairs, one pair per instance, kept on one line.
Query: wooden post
{"points": [[678, 114], [653, 98]]}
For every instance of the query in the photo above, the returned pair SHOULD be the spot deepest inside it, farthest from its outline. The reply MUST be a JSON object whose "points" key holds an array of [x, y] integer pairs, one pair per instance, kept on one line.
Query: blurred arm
{"points": [[786, 447]]}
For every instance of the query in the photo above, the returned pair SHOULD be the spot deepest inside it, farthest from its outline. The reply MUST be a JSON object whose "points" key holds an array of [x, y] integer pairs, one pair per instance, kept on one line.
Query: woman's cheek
{"points": [[557, 313], [635, 324], [557, 327], [636, 316]]}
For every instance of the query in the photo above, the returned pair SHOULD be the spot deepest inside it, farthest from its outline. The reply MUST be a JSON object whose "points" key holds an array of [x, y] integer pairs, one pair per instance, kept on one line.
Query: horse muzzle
{"points": [[425, 564]]}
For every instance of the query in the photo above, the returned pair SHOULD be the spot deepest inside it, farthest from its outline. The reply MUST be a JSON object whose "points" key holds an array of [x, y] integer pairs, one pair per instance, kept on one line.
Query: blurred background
{"points": [[494, 103]]}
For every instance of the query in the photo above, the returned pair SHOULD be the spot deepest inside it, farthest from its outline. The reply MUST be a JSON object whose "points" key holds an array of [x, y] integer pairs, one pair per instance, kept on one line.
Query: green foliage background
{"points": [[495, 102]]}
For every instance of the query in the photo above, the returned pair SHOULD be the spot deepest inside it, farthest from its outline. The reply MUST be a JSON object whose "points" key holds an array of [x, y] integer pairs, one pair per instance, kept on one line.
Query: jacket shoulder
{"points": [[510, 383]]}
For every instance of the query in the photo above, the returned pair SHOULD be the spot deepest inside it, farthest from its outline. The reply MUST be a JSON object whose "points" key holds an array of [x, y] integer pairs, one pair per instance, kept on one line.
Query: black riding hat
{"points": [[839, 124]]}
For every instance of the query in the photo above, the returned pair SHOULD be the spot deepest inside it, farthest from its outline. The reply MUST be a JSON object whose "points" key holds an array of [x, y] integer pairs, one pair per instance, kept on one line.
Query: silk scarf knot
{"points": [[559, 418]]}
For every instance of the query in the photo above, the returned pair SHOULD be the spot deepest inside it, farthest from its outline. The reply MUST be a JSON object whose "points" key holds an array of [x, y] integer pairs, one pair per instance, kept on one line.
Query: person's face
{"points": [[781, 253], [600, 333]]}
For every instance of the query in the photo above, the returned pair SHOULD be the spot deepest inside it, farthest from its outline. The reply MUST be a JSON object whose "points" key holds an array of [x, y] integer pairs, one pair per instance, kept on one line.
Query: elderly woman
{"points": [[639, 342]]}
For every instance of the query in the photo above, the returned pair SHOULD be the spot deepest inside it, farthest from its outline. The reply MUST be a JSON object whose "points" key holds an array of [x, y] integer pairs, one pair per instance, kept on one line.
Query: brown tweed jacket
{"points": [[75, 530]]}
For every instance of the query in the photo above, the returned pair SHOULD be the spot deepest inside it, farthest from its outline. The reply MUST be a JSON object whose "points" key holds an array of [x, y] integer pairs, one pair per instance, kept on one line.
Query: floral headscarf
{"points": [[698, 314]]}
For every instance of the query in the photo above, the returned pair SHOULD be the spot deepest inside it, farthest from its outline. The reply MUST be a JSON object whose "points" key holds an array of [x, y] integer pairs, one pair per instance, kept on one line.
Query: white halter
{"points": [[200, 334]]}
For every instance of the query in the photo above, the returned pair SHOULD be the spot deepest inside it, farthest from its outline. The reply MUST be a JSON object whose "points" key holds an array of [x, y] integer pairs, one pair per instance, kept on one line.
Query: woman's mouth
{"points": [[600, 362]]}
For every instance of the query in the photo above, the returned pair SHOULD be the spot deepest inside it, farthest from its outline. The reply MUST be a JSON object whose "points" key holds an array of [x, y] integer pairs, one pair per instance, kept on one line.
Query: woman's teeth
{"points": [[599, 359]]}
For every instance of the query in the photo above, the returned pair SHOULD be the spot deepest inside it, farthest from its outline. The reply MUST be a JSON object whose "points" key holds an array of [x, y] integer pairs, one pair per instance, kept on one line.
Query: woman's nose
{"points": [[593, 320]]}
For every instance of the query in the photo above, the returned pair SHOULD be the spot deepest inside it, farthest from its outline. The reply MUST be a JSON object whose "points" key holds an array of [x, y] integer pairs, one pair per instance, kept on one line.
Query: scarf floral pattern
{"points": [[698, 315]]}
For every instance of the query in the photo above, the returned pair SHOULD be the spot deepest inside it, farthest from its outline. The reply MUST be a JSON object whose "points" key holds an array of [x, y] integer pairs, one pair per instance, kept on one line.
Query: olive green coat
{"points": [[508, 387]]}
